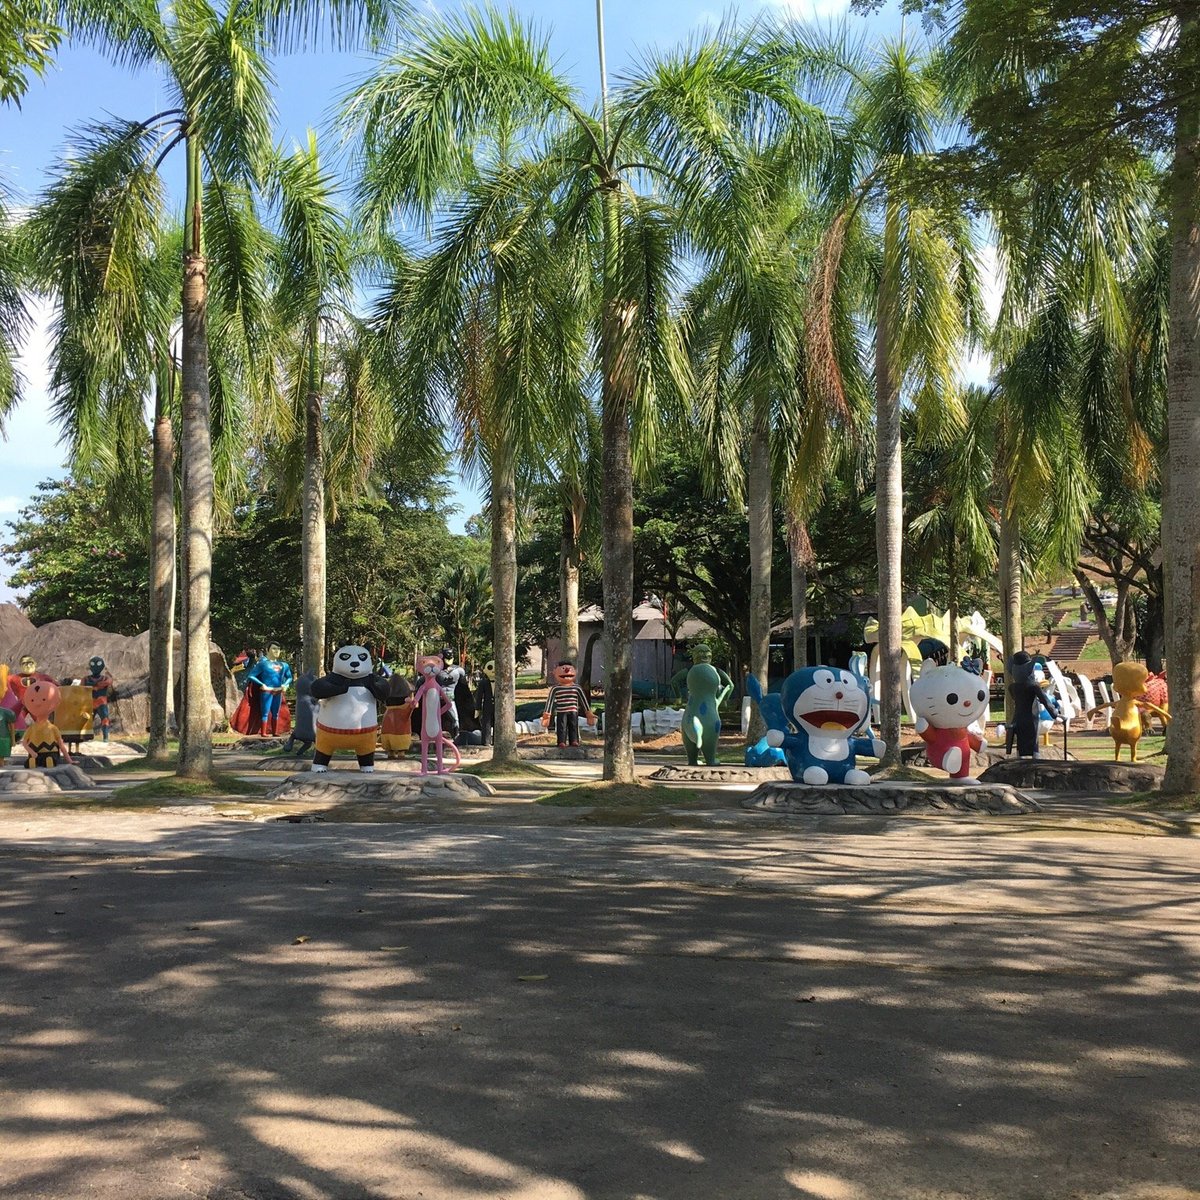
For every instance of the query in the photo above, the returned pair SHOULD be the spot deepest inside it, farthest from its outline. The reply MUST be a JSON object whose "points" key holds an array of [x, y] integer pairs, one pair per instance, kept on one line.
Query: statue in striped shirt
{"points": [[564, 704]]}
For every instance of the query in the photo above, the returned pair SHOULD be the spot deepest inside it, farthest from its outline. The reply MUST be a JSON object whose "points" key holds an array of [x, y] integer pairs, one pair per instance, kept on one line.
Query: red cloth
{"points": [[939, 742]]}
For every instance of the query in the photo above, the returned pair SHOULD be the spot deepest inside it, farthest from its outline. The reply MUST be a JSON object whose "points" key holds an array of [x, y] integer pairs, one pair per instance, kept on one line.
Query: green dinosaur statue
{"points": [[707, 688]]}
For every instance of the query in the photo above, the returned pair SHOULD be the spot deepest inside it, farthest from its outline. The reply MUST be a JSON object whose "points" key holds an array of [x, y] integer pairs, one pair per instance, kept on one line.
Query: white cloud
{"points": [[812, 10]]}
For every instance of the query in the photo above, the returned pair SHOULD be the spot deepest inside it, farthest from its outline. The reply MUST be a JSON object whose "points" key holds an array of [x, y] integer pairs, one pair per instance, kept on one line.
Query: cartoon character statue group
{"points": [[347, 703], [31, 702], [820, 721]]}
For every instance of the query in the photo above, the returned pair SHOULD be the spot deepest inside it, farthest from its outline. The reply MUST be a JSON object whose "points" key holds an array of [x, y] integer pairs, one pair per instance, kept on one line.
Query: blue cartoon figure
{"points": [[762, 753], [820, 709]]}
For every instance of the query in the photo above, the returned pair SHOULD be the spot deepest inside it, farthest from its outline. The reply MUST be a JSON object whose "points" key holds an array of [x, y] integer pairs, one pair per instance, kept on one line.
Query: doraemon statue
{"points": [[822, 709], [949, 701]]}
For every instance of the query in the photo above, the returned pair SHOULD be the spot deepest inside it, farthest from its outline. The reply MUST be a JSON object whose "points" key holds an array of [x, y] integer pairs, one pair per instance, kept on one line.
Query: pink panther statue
{"points": [[432, 701]]}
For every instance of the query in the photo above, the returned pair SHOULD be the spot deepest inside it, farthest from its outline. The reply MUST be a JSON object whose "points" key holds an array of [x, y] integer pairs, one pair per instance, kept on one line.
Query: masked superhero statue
{"points": [[101, 683], [485, 702]]}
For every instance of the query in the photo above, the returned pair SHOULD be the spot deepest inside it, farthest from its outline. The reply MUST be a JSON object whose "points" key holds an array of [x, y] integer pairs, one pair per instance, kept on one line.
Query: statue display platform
{"points": [[347, 785], [889, 799], [1054, 775]]}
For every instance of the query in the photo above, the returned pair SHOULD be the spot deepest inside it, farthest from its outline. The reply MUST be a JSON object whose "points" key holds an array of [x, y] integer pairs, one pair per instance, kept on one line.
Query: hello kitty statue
{"points": [[948, 702]]}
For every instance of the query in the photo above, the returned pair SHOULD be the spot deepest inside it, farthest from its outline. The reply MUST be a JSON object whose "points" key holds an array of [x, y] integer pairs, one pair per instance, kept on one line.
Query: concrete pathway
{"points": [[848, 1009]]}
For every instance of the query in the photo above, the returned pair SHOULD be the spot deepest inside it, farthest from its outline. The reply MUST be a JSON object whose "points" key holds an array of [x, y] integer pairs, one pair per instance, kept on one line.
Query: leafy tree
{"points": [[73, 562], [693, 547], [463, 604]]}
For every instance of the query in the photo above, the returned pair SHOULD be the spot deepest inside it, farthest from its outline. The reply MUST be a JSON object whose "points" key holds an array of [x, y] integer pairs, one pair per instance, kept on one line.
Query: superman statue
{"points": [[263, 709]]}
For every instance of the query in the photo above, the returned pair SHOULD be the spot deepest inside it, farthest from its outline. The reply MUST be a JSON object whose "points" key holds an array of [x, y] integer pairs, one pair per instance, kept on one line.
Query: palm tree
{"points": [[329, 374], [951, 498], [101, 247], [13, 317], [1081, 350], [487, 329], [214, 66], [925, 308], [467, 89]]}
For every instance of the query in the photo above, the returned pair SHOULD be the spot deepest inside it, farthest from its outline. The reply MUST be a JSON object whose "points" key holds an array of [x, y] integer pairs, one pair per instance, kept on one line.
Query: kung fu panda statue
{"points": [[347, 709]]}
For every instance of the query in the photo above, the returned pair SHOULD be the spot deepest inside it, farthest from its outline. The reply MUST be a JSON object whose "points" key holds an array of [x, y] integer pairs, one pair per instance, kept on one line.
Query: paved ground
{"points": [[847, 1010]]}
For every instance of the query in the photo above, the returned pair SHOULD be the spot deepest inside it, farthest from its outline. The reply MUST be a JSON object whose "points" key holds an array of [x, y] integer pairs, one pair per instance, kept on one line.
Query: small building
{"points": [[655, 639]]}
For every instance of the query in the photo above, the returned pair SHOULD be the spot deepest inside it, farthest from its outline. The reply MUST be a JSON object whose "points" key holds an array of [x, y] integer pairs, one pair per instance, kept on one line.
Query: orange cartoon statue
{"points": [[1129, 680], [43, 743], [14, 693]]}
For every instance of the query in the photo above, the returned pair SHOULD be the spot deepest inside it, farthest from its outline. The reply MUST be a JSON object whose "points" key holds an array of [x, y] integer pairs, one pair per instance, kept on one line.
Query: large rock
{"points": [[888, 799], [62, 649], [1050, 775]]}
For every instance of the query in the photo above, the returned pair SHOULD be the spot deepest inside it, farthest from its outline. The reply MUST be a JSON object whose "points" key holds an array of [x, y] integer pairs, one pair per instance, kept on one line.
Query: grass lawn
{"points": [[1094, 652], [171, 787], [523, 770], [1158, 802], [1095, 746], [625, 803]]}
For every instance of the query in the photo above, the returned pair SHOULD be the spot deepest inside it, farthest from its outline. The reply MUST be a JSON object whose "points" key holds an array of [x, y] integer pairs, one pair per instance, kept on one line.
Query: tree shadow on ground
{"points": [[977, 1026]]}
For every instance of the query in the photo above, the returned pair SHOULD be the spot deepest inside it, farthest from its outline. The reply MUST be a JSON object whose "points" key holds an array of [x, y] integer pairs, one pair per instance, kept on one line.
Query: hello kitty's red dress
{"points": [[939, 742]]}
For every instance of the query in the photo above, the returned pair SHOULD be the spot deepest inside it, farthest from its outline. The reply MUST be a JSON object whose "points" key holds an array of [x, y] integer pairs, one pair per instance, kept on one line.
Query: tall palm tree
{"points": [[103, 250], [488, 330], [465, 89], [926, 307], [951, 499], [329, 374], [213, 61], [1081, 355]]}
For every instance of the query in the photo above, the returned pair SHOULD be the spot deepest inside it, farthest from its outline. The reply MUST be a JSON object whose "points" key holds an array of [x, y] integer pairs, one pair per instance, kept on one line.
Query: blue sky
{"points": [[84, 87]]}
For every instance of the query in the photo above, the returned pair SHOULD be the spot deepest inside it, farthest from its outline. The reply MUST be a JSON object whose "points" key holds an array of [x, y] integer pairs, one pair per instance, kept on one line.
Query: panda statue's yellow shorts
{"points": [[359, 741]]}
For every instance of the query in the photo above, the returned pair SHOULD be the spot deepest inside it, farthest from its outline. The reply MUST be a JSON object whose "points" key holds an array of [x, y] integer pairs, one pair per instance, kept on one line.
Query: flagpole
{"points": [[603, 70]]}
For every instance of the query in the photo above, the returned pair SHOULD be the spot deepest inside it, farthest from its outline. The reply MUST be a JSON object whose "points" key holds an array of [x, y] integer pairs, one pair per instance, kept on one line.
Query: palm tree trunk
{"points": [[504, 602], [952, 586], [889, 501], [568, 583], [616, 503], [162, 576], [1181, 545], [1010, 592], [312, 657], [800, 548], [758, 512], [195, 740]]}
